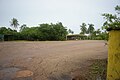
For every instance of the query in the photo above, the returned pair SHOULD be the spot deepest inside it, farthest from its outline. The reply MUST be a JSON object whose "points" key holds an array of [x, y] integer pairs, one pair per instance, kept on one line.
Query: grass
{"points": [[95, 69], [98, 70]]}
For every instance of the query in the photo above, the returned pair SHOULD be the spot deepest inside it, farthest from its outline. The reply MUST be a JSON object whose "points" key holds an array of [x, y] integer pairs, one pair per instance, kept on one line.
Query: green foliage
{"points": [[8, 33], [98, 31], [93, 34], [53, 31], [14, 23], [117, 8], [91, 28], [42, 32], [23, 27], [5, 31], [29, 33], [112, 21], [83, 28]]}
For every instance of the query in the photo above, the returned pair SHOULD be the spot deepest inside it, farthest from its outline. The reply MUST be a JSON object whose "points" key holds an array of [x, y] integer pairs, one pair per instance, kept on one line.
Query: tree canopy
{"points": [[112, 20], [42, 32]]}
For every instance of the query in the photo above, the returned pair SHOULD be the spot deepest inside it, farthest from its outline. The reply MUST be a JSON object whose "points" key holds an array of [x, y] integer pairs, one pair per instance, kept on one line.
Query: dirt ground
{"points": [[48, 60]]}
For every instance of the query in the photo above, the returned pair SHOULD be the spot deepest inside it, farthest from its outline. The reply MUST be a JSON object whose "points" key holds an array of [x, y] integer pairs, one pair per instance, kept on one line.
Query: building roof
{"points": [[76, 35]]}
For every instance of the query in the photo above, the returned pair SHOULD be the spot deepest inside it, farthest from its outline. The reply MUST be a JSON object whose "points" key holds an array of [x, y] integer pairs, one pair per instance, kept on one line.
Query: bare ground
{"points": [[50, 60]]}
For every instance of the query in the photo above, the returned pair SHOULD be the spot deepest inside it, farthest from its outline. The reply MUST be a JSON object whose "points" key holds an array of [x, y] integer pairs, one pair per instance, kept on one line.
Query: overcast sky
{"points": [[70, 12]]}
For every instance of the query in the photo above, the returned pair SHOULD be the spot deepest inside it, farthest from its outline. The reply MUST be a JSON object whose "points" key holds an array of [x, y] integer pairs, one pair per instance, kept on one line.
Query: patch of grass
{"points": [[98, 70], [94, 69]]}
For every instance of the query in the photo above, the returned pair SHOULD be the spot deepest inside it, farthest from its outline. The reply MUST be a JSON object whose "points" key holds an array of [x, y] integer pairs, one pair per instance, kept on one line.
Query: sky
{"points": [[72, 13]]}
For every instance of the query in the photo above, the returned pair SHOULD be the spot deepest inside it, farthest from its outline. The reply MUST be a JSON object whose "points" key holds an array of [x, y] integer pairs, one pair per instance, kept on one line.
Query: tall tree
{"points": [[83, 28], [91, 28], [14, 23]]}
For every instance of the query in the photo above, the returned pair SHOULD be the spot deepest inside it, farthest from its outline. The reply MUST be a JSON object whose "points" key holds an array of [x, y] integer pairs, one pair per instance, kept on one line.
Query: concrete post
{"points": [[113, 70]]}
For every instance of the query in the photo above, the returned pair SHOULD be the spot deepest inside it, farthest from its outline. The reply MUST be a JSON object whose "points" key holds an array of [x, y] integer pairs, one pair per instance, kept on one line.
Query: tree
{"points": [[52, 31], [83, 28], [42, 32], [70, 31], [60, 31], [14, 23], [112, 21], [98, 31], [23, 27], [91, 28], [117, 8], [91, 31], [7, 31]]}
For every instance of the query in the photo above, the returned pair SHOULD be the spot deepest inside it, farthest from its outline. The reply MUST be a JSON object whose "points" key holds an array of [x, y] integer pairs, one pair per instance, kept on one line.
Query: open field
{"points": [[48, 60]]}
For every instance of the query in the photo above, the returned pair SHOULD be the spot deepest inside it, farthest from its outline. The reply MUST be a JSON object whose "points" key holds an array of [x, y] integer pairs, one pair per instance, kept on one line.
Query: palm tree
{"points": [[14, 23], [83, 28], [70, 31], [23, 27], [90, 29]]}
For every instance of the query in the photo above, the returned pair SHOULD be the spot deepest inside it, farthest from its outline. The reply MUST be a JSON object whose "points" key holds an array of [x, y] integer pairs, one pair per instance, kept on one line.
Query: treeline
{"points": [[49, 32], [52, 32], [43, 32]]}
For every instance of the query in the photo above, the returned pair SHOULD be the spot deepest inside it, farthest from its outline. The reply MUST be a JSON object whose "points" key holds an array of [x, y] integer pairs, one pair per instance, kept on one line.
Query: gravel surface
{"points": [[50, 60]]}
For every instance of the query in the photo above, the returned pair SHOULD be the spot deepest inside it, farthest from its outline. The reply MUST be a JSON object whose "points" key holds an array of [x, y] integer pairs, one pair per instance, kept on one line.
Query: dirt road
{"points": [[47, 60]]}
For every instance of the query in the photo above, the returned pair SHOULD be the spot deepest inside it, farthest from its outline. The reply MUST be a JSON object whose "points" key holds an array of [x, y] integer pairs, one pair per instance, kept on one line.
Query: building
{"points": [[76, 37]]}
